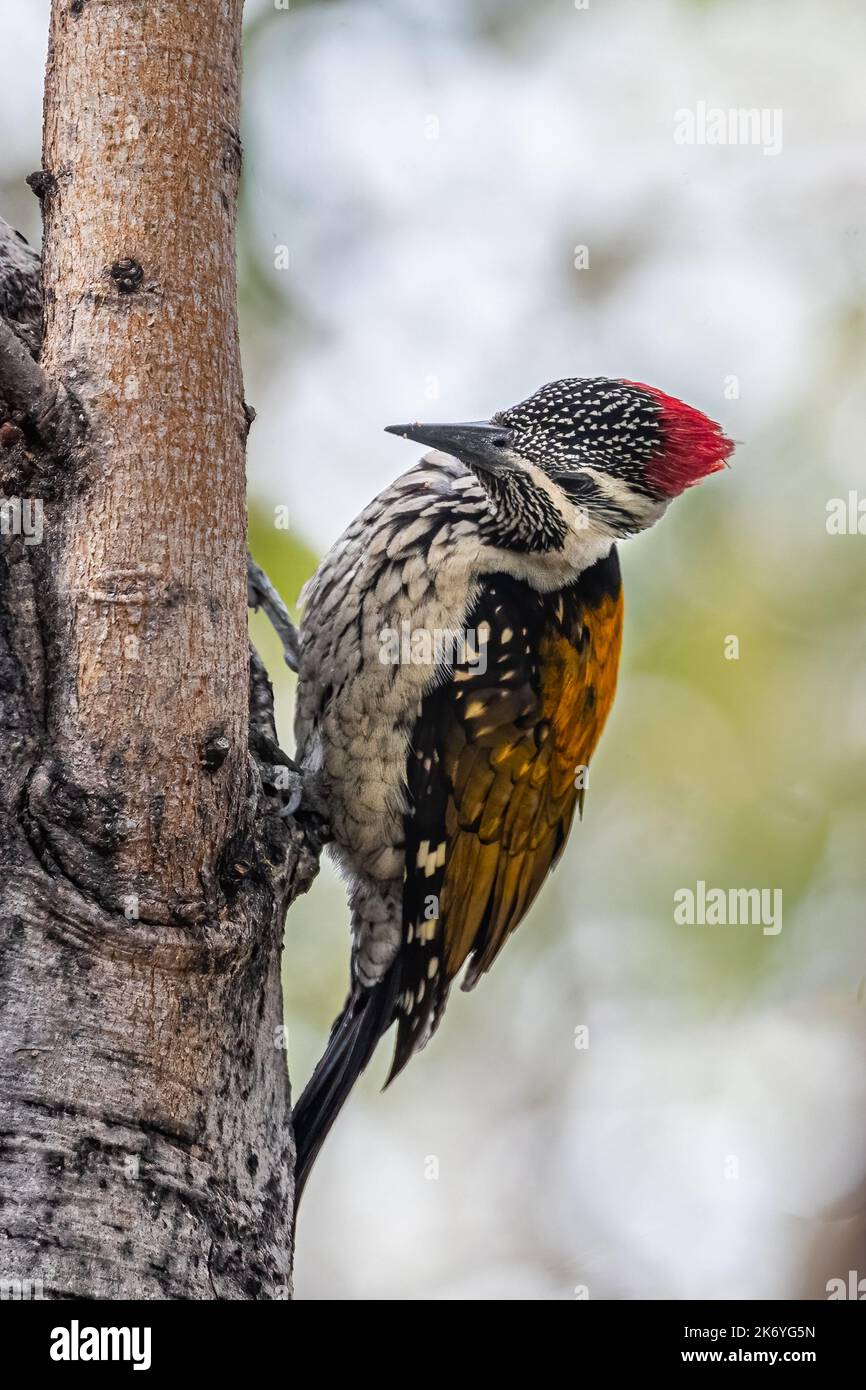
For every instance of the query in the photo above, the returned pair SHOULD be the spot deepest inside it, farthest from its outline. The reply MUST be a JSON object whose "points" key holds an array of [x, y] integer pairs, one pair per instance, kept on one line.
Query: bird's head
{"points": [[582, 452]]}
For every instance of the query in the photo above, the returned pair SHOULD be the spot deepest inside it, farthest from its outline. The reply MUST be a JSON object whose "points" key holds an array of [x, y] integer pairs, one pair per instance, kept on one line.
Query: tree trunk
{"points": [[146, 861]]}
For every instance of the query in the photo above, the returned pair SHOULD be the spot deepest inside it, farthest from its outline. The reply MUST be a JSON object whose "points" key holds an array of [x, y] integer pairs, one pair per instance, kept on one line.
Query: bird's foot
{"points": [[262, 594]]}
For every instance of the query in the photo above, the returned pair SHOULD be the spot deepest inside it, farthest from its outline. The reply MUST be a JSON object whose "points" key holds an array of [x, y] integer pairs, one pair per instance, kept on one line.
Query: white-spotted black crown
{"points": [[582, 421]]}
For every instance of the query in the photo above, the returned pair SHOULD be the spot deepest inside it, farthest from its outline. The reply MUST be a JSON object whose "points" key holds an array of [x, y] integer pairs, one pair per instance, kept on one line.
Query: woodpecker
{"points": [[449, 783]]}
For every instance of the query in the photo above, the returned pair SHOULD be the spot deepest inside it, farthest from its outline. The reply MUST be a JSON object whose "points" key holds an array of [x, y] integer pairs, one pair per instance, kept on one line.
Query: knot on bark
{"points": [[216, 749], [10, 435], [43, 183], [127, 275]]}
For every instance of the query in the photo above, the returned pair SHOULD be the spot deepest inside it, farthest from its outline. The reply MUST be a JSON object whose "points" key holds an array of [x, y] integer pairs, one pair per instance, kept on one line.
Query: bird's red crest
{"points": [[694, 445]]}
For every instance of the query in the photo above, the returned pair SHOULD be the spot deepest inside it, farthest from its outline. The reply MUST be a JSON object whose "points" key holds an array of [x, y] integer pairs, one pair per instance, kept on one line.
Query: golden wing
{"points": [[493, 778]]}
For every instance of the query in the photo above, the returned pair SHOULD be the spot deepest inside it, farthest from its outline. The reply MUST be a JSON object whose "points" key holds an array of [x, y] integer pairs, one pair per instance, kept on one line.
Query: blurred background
{"points": [[444, 207]]}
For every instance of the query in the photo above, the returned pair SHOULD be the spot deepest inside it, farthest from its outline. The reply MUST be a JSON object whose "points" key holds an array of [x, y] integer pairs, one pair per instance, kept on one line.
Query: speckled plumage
{"points": [[414, 555], [450, 789]]}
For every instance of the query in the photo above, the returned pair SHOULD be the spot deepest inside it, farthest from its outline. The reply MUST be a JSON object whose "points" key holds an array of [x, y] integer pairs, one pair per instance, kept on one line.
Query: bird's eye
{"points": [[500, 442]]}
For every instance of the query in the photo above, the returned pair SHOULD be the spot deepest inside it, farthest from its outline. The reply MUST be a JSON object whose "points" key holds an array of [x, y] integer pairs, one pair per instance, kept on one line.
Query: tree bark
{"points": [[146, 857]]}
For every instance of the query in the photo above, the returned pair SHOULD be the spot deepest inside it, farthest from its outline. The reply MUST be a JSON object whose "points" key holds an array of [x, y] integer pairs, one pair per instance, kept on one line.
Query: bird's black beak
{"points": [[478, 443]]}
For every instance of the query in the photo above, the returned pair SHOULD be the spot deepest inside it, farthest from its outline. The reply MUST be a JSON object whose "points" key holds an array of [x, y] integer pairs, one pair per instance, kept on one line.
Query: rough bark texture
{"points": [[145, 870], [143, 157]]}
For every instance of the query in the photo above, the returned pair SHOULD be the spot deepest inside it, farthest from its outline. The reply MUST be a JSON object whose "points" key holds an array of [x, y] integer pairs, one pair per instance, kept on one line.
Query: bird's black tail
{"points": [[367, 1015]]}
